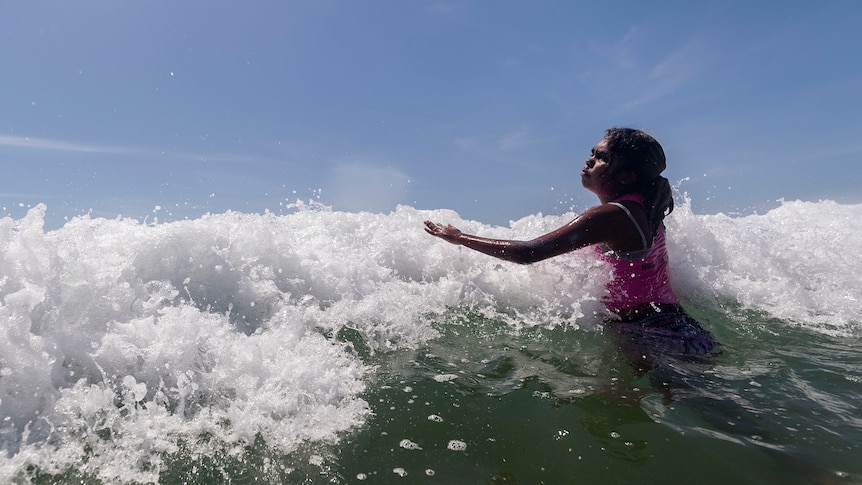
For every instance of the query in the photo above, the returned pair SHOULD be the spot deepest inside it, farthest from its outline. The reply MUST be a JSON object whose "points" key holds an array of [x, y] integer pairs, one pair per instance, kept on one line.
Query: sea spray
{"points": [[125, 340], [797, 262], [126, 344]]}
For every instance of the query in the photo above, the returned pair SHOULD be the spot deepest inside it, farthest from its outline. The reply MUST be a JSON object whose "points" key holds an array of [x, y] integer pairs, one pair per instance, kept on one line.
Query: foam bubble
{"points": [[409, 445], [445, 377], [457, 445]]}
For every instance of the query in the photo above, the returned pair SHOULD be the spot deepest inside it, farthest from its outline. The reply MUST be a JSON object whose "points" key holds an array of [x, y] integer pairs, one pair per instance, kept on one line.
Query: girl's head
{"points": [[640, 154], [636, 151]]}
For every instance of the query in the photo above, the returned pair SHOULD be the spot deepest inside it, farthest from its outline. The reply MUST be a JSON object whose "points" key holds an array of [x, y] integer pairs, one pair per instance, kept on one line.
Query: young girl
{"points": [[624, 172]]}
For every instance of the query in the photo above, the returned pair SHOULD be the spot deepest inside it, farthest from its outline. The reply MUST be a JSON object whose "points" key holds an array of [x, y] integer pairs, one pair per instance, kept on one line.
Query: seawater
{"points": [[316, 346]]}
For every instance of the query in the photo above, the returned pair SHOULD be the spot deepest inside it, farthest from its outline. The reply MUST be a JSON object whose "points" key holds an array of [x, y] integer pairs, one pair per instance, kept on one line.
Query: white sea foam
{"points": [[798, 262], [122, 339]]}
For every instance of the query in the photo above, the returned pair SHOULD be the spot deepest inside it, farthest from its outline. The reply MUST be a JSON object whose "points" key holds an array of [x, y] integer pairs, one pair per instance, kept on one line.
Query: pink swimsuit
{"points": [[640, 294], [639, 277]]}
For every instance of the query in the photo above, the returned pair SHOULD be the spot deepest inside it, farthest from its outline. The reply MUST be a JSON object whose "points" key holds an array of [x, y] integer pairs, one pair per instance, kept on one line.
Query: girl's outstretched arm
{"points": [[598, 224]]}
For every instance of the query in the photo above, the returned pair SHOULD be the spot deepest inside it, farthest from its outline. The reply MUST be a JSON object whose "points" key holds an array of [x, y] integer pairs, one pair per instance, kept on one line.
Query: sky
{"points": [[164, 110]]}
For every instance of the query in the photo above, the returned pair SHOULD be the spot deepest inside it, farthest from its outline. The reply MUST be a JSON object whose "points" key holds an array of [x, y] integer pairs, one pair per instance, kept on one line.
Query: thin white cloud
{"points": [[61, 145], [623, 49], [514, 140], [76, 147], [18, 195], [467, 144], [671, 73], [495, 145], [630, 72], [360, 185]]}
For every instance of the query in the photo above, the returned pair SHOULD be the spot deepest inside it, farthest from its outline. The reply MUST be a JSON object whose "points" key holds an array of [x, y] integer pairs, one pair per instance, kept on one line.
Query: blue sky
{"points": [[485, 107]]}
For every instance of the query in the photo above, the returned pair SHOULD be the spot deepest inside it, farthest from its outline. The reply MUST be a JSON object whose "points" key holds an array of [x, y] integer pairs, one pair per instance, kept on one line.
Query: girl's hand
{"points": [[448, 232]]}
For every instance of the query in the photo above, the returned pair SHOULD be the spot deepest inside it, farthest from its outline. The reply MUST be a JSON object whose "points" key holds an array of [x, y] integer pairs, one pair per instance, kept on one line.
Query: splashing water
{"points": [[126, 342]]}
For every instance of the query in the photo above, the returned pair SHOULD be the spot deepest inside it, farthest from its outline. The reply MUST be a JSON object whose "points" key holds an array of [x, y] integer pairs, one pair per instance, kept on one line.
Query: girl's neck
{"points": [[633, 196], [621, 194]]}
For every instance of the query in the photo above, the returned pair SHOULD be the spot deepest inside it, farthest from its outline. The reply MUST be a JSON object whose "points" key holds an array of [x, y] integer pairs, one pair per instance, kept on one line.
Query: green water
{"points": [[780, 405], [488, 403]]}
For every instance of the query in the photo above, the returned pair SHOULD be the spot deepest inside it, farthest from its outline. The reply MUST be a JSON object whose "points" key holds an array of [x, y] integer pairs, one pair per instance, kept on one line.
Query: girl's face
{"points": [[599, 175]]}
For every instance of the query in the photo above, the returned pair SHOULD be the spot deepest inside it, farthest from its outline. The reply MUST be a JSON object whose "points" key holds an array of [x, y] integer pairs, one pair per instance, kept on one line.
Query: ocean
{"points": [[316, 346]]}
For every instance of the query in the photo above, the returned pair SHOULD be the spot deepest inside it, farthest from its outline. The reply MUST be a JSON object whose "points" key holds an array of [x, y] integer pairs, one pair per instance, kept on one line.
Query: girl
{"points": [[624, 172]]}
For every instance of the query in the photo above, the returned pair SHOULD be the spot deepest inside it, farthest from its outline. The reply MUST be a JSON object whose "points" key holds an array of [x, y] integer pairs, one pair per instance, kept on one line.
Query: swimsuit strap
{"points": [[634, 197], [632, 218]]}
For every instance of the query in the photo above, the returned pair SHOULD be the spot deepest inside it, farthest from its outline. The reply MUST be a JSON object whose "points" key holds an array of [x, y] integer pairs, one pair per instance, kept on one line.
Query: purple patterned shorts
{"points": [[670, 329]]}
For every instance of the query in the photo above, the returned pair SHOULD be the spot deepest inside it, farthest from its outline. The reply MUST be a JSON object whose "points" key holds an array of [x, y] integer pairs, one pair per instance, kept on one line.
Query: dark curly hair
{"points": [[639, 152]]}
